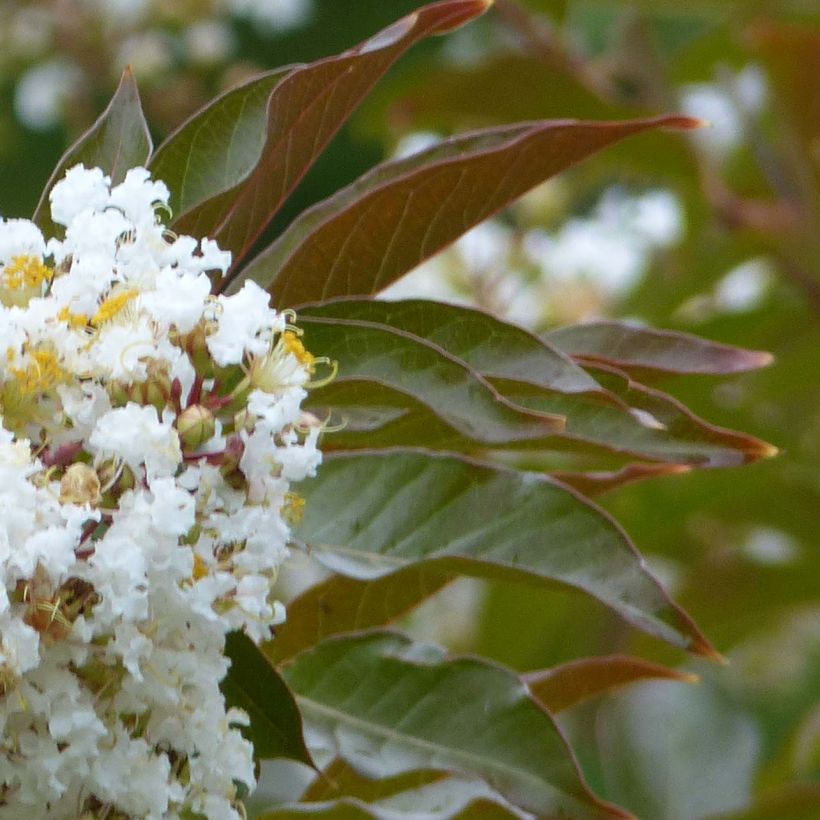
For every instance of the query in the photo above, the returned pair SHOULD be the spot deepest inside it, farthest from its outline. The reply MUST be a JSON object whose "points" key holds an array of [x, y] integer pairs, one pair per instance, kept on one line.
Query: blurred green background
{"points": [[716, 233]]}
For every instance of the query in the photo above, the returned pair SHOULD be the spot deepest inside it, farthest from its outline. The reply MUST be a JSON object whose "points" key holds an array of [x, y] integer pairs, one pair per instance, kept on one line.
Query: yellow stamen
{"points": [[77, 320], [293, 345], [41, 375], [113, 305], [26, 272], [200, 568], [294, 508]]}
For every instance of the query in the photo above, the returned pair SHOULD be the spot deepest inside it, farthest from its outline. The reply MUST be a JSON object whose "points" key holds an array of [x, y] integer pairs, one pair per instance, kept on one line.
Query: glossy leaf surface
{"points": [[489, 345], [370, 515], [262, 151], [389, 706], [456, 393], [402, 212]]}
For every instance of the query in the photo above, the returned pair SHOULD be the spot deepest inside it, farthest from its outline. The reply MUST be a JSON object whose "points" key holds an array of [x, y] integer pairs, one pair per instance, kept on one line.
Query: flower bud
{"points": [[80, 484], [195, 425], [195, 345]]}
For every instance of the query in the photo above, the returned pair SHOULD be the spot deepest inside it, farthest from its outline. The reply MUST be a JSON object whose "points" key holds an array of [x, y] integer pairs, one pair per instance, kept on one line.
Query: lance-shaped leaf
{"points": [[371, 514], [659, 427], [255, 686], [389, 706], [117, 141], [641, 349], [232, 165], [455, 392], [574, 682], [487, 344], [400, 213], [681, 424]]}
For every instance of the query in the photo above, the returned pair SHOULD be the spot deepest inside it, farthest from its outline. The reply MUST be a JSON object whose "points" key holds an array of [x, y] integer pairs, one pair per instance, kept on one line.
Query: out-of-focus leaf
{"points": [[255, 686], [564, 686], [402, 212], [341, 604], [703, 759], [233, 168], [368, 515], [489, 345], [792, 55], [504, 87], [117, 141], [794, 801], [452, 390], [389, 706], [638, 350], [595, 483]]}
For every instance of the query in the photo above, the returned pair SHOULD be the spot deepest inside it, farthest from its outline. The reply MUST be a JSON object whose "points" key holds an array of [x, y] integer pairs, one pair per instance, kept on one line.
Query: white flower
{"points": [[245, 325], [137, 436], [129, 550]]}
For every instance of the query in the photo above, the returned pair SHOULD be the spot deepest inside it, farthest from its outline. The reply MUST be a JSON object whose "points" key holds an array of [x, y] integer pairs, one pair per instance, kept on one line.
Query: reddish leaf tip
{"points": [[684, 123], [700, 646], [767, 450], [761, 358]]}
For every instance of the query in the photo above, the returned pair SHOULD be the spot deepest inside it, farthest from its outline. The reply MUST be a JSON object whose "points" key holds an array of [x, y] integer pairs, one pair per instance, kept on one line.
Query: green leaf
{"points": [[494, 348], [435, 794], [345, 809], [340, 779], [367, 515], [219, 146], [400, 213], [253, 685], [352, 809], [117, 141], [452, 390], [388, 706], [571, 683], [638, 350], [234, 164], [792, 801], [703, 759], [341, 604], [718, 446], [658, 427]]}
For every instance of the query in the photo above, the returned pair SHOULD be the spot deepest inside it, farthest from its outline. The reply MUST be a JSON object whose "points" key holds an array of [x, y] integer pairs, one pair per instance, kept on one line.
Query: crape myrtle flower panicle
{"points": [[150, 433]]}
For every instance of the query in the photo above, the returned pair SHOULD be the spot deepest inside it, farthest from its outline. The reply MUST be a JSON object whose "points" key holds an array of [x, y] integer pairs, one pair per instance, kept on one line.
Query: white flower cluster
{"points": [[149, 434]]}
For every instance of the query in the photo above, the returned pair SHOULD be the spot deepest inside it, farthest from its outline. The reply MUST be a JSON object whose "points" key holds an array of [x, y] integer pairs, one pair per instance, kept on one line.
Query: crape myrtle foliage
{"points": [[156, 408], [150, 434]]}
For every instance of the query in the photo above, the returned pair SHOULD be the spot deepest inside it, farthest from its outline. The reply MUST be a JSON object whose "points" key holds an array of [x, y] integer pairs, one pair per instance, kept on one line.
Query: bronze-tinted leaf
{"points": [[639, 349], [402, 212], [577, 681], [234, 164]]}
